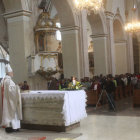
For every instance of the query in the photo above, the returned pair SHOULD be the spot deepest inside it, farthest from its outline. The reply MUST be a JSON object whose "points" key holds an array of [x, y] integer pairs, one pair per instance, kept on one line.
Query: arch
{"points": [[118, 24], [98, 23], [67, 18], [99, 32]]}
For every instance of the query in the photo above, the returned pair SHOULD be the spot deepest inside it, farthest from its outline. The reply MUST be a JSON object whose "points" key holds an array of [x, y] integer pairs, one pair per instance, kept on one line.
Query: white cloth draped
{"points": [[73, 103], [11, 112]]}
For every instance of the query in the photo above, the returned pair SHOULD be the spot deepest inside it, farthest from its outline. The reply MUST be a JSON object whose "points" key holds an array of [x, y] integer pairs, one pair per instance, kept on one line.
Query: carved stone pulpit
{"points": [[47, 47]]}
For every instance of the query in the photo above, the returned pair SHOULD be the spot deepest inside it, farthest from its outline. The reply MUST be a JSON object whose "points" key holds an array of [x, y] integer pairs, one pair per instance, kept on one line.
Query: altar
{"points": [[53, 110]]}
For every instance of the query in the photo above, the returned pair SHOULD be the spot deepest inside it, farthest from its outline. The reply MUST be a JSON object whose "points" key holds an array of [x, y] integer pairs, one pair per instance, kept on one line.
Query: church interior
{"points": [[63, 54]]}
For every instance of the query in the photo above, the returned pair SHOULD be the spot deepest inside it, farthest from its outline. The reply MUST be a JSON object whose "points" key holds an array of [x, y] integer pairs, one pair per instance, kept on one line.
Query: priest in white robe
{"points": [[10, 103]]}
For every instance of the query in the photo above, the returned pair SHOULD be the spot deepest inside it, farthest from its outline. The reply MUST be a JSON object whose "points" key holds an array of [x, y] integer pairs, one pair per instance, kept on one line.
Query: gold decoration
{"points": [[59, 49], [47, 74], [45, 22], [89, 5], [134, 25], [45, 26]]}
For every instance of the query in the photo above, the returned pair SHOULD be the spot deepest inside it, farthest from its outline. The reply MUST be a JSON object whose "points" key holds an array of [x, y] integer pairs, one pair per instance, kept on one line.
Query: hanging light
{"points": [[89, 5], [134, 25]]}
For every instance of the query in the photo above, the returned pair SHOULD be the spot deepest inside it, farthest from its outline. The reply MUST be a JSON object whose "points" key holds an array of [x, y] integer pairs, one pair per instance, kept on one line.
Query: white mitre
{"points": [[8, 68]]}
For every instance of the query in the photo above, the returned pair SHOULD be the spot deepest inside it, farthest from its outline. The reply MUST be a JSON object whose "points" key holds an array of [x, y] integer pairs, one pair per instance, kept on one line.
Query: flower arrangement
{"points": [[76, 86]]}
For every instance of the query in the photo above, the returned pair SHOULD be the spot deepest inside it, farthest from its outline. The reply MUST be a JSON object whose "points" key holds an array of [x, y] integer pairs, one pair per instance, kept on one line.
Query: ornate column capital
{"points": [[109, 15]]}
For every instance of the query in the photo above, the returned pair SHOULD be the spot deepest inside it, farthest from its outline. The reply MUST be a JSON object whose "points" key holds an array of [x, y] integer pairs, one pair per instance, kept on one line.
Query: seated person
{"points": [[62, 84], [25, 86], [87, 83]]}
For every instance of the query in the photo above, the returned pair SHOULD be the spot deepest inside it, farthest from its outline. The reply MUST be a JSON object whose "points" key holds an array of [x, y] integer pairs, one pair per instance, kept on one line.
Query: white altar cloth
{"points": [[73, 104]]}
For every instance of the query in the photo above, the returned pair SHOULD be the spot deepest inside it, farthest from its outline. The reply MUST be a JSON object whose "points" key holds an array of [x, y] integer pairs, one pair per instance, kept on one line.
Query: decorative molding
{"points": [[109, 14], [98, 35], [120, 42], [69, 28], [17, 14]]}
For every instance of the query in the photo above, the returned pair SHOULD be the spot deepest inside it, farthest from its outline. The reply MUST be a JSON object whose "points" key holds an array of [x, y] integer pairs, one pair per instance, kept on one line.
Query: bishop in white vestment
{"points": [[10, 103]]}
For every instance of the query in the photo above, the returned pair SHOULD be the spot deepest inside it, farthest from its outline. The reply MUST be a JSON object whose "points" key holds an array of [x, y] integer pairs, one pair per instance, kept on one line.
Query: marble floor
{"points": [[124, 124], [101, 127]]}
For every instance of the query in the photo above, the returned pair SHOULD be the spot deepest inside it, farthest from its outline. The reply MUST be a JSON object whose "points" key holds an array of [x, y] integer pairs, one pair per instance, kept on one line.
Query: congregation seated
{"points": [[63, 84], [97, 82], [86, 83], [53, 84]]}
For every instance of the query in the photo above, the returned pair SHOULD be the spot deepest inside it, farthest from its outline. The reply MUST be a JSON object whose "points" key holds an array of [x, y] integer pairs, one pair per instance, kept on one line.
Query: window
{"points": [[58, 33]]}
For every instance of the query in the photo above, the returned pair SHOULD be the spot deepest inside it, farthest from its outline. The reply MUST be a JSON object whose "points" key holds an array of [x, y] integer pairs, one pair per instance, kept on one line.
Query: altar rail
{"points": [[120, 93]]}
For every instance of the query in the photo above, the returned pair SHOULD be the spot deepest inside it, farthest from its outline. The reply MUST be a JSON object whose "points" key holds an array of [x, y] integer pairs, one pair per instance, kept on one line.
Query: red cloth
{"points": [[138, 76], [38, 138]]}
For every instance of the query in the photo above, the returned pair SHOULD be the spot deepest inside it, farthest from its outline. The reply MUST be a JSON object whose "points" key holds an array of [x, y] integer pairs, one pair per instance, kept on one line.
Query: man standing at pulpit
{"points": [[10, 103]]}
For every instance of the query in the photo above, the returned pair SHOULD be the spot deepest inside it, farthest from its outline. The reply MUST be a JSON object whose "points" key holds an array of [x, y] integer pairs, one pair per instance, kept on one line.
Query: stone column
{"points": [[71, 51], [84, 43], [19, 42], [100, 54], [130, 56], [111, 46], [121, 59]]}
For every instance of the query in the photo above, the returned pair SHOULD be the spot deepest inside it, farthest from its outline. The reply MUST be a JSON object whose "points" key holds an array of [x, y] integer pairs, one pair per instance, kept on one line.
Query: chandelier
{"points": [[134, 25], [89, 5]]}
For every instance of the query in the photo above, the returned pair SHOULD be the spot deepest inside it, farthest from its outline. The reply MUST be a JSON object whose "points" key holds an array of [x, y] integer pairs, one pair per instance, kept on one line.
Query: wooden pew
{"points": [[127, 90], [136, 98], [120, 92], [92, 97], [117, 94]]}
